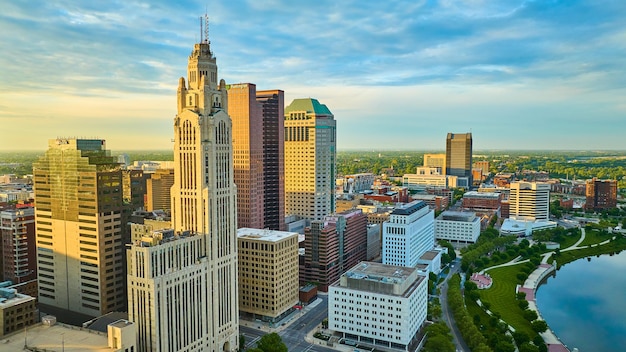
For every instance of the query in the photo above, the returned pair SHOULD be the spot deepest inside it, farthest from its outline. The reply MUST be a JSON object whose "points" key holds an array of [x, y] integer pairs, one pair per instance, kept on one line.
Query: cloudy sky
{"points": [[544, 74]]}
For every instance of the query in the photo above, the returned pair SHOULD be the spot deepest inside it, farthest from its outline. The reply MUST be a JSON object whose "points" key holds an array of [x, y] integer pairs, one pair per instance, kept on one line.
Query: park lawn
{"points": [[595, 236], [569, 240], [569, 256], [501, 297]]}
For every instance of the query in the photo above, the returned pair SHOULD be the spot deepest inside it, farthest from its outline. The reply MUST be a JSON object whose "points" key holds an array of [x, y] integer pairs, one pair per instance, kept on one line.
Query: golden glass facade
{"points": [[78, 193]]}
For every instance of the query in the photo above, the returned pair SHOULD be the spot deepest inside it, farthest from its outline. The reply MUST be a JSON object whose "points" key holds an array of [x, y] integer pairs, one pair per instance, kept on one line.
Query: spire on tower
{"points": [[206, 28]]}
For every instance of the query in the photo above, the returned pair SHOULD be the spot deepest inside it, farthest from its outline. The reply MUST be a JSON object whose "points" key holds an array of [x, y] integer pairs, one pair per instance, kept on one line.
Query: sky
{"points": [[397, 75]]}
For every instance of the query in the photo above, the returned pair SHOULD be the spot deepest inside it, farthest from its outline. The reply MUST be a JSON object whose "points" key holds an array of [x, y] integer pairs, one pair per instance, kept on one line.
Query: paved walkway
{"points": [[532, 283]]}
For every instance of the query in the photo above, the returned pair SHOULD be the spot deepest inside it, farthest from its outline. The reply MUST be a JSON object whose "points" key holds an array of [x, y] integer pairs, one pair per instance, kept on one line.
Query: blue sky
{"points": [[396, 74]]}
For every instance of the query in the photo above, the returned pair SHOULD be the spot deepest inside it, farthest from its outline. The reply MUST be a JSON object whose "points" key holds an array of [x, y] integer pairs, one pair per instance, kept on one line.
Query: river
{"points": [[585, 304]]}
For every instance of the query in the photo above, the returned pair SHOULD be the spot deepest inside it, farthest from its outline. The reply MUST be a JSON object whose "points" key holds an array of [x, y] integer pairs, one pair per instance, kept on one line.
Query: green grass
{"points": [[569, 241], [595, 236], [501, 297], [614, 246]]}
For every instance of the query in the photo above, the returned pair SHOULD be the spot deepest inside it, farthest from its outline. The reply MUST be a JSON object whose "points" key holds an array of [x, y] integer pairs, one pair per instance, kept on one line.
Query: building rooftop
{"points": [[263, 235], [430, 255], [309, 105], [56, 338], [465, 216], [483, 195], [409, 208], [371, 271]]}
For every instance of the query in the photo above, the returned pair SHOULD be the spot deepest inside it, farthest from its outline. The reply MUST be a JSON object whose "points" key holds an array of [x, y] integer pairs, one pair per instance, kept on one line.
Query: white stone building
{"points": [[379, 305], [457, 226], [529, 200], [408, 234]]}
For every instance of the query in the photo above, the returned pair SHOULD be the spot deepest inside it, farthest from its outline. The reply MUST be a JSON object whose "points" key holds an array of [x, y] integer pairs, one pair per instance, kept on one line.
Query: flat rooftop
{"points": [[372, 271], [56, 338], [465, 216], [429, 255], [481, 195], [263, 235], [409, 208]]}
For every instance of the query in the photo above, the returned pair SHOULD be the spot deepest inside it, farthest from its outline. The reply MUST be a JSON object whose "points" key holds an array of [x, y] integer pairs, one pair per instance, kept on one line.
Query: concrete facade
{"points": [[379, 305], [204, 194], [268, 273], [408, 234], [529, 200], [457, 226]]}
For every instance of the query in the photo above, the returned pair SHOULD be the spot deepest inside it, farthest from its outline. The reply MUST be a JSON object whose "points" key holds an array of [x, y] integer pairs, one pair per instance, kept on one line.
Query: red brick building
{"points": [[601, 194], [333, 246], [481, 200]]}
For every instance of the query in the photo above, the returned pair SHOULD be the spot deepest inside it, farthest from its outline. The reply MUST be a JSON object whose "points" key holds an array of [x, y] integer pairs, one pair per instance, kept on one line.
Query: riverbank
{"points": [[551, 261]]}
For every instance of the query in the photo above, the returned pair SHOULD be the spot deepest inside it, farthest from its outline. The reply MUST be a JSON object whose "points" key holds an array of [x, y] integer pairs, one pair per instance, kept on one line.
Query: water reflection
{"points": [[585, 305]]}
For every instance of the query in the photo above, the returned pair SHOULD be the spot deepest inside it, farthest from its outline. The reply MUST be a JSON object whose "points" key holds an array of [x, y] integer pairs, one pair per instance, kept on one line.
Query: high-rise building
{"points": [[600, 194], [204, 195], [310, 158], [273, 105], [529, 200], [158, 186], [408, 234], [459, 155], [268, 273], [17, 233], [437, 161], [168, 300], [247, 118], [379, 306], [78, 192], [332, 246]]}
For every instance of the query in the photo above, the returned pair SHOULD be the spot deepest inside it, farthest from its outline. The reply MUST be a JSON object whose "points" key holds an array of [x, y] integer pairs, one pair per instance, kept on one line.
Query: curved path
{"points": [[532, 283]]}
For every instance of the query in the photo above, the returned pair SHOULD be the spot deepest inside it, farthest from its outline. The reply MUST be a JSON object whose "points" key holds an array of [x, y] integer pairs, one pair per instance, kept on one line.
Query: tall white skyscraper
{"points": [[204, 202], [408, 234], [310, 159], [529, 200]]}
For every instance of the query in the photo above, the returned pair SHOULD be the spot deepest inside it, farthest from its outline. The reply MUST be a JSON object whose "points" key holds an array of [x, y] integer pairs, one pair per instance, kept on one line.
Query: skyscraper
{"points": [[408, 234], [204, 192], [310, 157], [78, 216], [459, 155], [247, 118], [529, 200], [273, 106]]}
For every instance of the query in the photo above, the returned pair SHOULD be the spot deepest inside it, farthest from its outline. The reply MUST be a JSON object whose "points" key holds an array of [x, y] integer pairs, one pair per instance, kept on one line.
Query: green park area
{"points": [[500, 298]]}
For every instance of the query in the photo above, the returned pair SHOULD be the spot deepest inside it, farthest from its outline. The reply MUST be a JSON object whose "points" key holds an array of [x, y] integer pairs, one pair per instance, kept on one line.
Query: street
{"points": [[293, 335], [459, 343]]}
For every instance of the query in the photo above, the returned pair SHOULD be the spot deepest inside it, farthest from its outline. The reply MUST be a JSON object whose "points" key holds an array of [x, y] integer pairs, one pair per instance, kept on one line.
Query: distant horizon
{"points": [[441, 151], [396, 75]]}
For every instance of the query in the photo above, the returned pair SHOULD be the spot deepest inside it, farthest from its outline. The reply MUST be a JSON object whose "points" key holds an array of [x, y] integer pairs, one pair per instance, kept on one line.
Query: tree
{"points": [[539, 326], [271, 343], [530, 315], [528, 347], [242, 343], [438, 343]]}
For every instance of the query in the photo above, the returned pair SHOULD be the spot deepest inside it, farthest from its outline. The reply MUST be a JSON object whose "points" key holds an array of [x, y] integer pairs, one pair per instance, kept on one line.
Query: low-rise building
{"points": [[481, 200], [456, 226], [524, 227], [378, 305], [17, 311]]}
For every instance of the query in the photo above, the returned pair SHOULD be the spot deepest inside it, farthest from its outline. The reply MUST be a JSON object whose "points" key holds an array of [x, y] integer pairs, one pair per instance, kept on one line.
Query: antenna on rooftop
{"points": [[206, 27]]}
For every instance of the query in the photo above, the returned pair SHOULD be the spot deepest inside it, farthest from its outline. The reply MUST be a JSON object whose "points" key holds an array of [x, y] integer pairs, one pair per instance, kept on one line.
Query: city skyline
{"points": [[401, 75]]}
